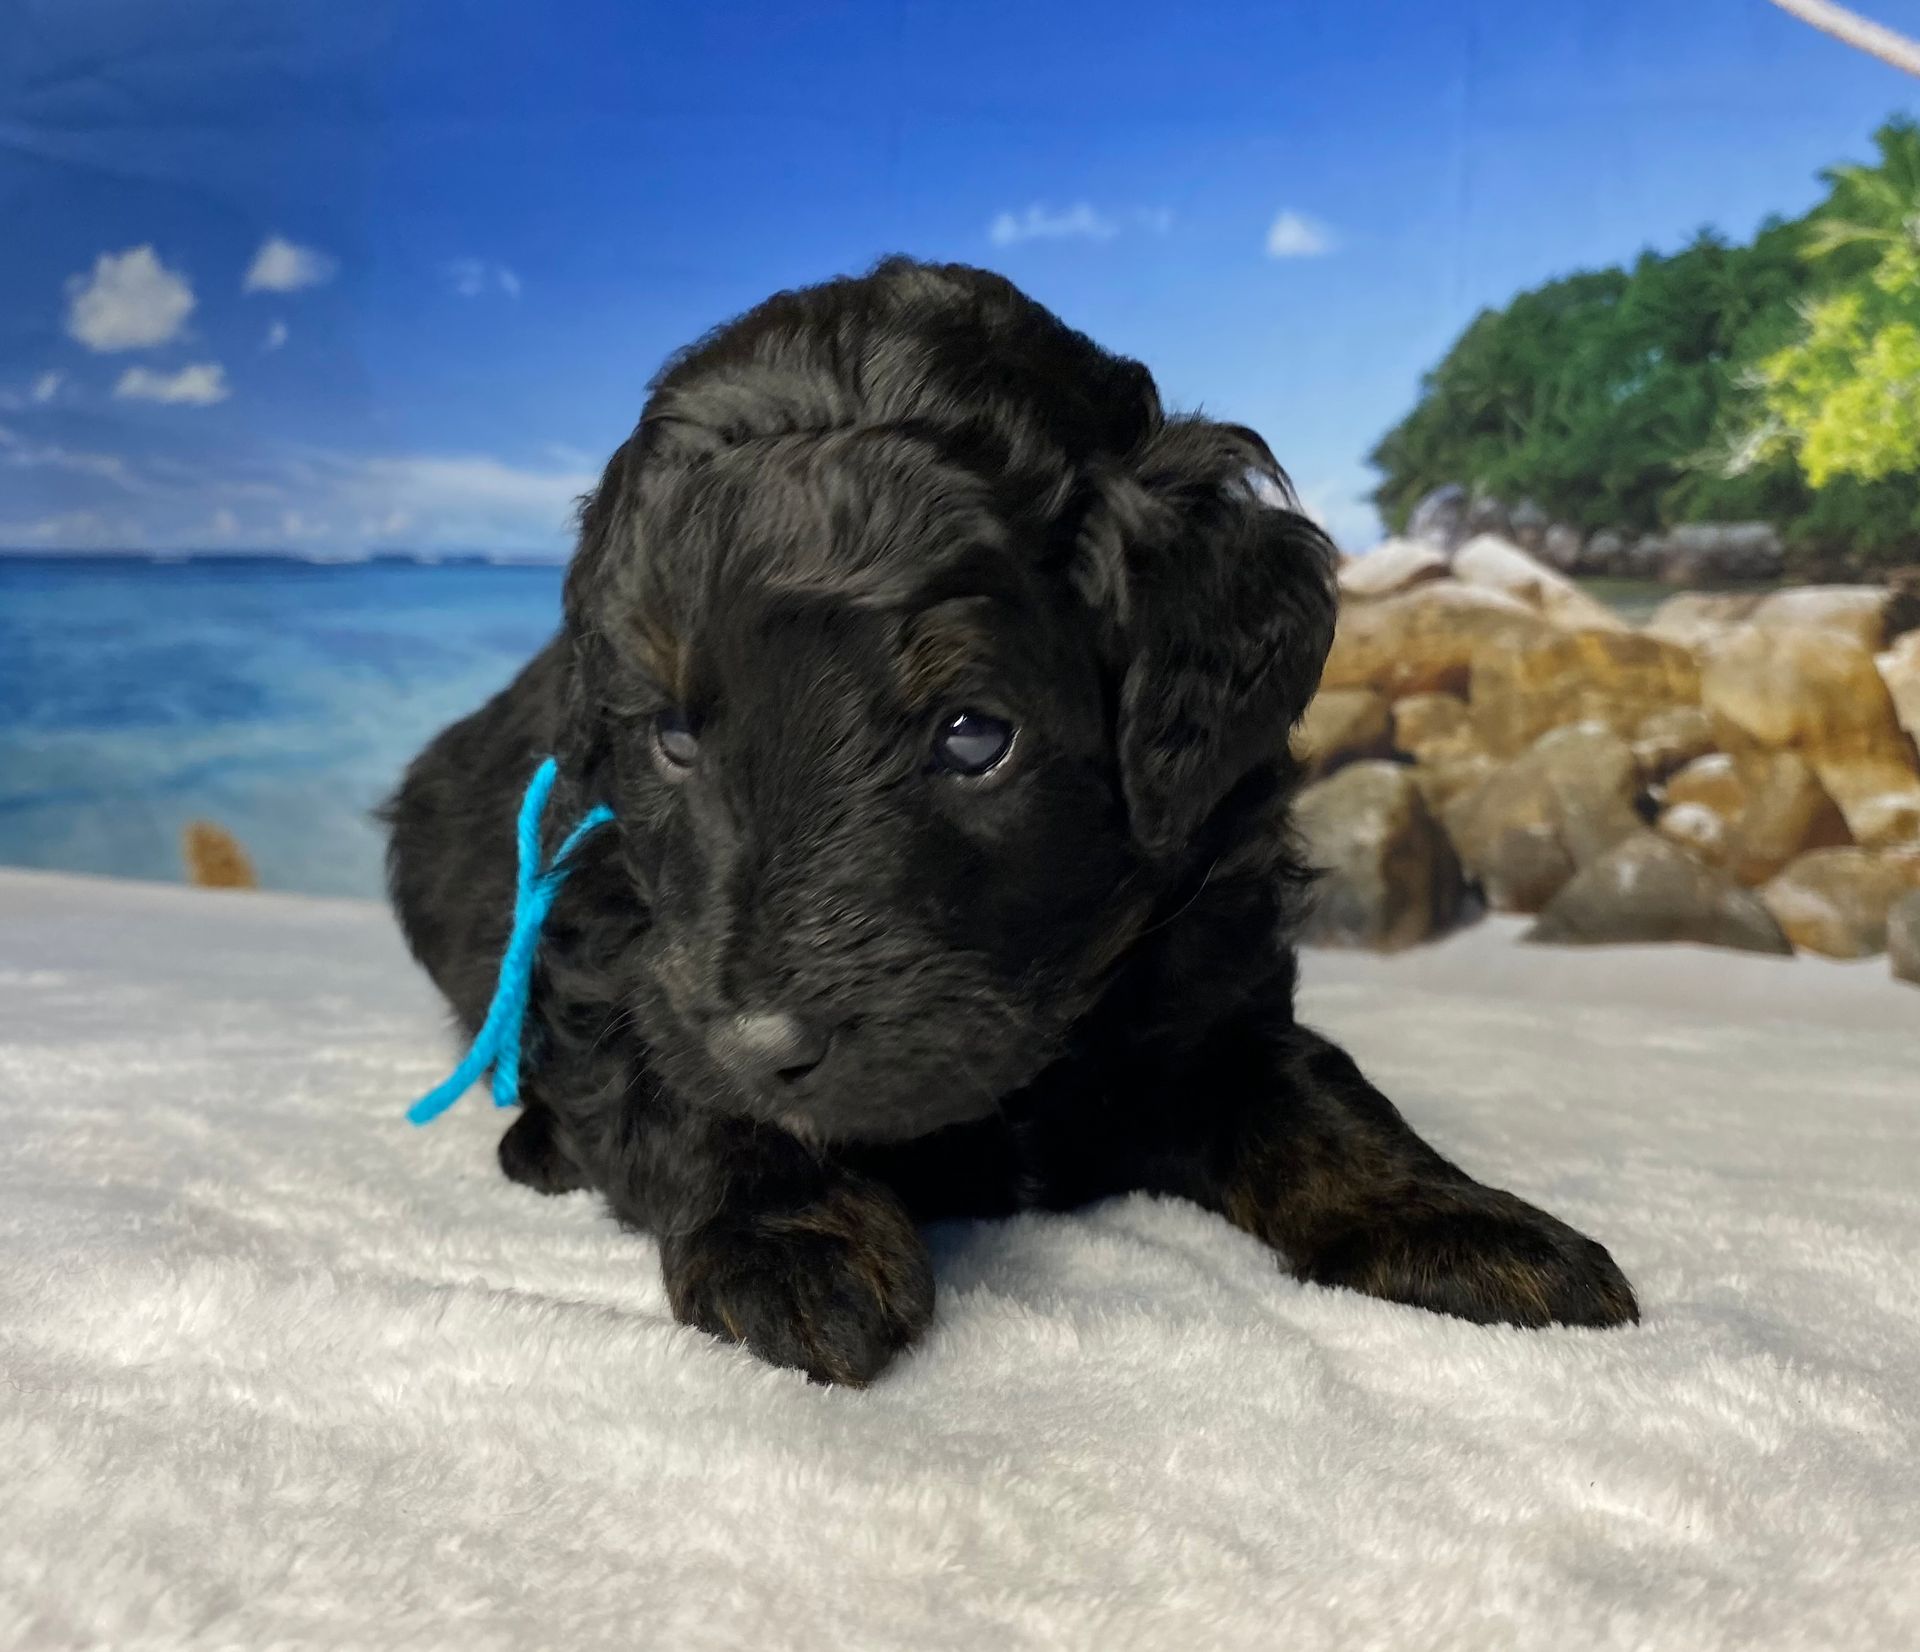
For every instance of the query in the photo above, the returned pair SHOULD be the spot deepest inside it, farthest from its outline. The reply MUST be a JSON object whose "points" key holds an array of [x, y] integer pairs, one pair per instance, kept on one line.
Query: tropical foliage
{"points": [[1777, 380]]}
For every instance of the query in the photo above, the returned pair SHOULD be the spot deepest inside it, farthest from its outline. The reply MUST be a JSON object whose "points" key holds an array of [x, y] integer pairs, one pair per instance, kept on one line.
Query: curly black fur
{"points": [[843, 518]]}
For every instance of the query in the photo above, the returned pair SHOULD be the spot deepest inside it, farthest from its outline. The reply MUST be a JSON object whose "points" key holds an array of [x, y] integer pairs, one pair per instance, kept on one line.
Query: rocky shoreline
{"points": [[1688, 554], [1739, 771]]}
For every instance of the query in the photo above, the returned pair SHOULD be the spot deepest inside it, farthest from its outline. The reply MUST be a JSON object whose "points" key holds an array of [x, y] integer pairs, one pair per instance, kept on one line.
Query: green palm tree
{"points": [[1877, 206]]}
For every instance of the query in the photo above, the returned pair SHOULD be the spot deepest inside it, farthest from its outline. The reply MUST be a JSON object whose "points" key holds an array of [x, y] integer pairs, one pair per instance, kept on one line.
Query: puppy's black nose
{"points": [[769, 1046]]}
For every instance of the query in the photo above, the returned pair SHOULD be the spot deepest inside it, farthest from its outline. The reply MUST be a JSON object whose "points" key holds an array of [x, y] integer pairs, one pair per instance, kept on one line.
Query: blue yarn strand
{"points": [[497, 1044]]}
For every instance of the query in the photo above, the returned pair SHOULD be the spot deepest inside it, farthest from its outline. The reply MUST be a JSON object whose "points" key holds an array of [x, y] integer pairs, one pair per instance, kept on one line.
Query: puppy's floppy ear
{"points": [[1218, 602]]}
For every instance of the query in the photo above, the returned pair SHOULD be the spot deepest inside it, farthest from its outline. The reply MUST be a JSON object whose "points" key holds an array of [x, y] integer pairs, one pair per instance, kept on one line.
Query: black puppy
{"points": [[940, 683]]}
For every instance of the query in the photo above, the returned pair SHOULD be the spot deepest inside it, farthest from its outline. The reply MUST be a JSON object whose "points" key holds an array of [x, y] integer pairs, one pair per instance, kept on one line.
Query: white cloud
{"points": [[441, 501], [302, 499], [75, 531], [130, 302], [426, 485], [276, 336], [25, 455], [280, 266], [1079, 222], [200, 385], [1295, 235], [109, 467], [476, 277], [46, 387]]}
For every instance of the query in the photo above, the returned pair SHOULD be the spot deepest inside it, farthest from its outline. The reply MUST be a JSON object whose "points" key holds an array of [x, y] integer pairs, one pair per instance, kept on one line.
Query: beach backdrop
{"points": [[317, 320]]}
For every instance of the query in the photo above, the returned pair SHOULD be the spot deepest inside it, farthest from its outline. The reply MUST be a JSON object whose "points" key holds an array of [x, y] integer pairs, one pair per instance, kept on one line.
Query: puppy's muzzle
{"points": [[767, 1049]]}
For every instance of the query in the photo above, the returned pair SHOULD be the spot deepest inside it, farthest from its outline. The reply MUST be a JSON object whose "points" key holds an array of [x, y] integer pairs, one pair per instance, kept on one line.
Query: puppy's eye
{"points": [[972, 743], [674, 740]]}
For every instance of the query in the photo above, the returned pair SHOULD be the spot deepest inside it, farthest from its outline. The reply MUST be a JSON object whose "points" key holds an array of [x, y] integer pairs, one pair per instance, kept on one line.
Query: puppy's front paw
{"points": [[1493, 1258], [531, 1154], [834, 1288]]}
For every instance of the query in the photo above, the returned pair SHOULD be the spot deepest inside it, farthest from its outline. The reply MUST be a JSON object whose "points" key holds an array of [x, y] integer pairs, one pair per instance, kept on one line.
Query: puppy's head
{"points": [[920, 657]]}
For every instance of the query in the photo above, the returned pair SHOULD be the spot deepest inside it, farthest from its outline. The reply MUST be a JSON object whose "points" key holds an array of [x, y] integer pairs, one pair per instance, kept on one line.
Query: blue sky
{"points": [[332, 277]]}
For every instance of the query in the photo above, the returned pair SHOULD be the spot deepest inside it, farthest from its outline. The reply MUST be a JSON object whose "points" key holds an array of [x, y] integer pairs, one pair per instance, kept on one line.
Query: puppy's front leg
{"points": [[1311, 1158], [764, 1243]]}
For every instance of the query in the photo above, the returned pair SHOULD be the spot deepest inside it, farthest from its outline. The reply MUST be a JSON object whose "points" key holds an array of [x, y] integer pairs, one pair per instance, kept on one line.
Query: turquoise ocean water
{"points": [[279, 698]]}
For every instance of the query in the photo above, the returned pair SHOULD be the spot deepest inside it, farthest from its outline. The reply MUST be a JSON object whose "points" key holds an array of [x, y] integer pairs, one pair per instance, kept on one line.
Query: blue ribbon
{"points": [[497, 1044]]}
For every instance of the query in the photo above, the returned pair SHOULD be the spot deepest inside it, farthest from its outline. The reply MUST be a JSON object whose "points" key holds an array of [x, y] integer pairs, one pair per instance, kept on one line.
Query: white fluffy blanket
{"points": [[277, 1370]]}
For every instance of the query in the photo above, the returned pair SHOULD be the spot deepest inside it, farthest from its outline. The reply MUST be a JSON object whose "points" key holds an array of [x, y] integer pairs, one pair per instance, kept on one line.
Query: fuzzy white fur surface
{"points": [[277, 1370]]}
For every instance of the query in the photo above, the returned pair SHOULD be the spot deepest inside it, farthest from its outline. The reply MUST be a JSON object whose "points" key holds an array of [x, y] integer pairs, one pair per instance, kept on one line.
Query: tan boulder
{"points": [[1422, 640], [1433, 728], [1866, 614], [1530, 826], [1390, 876], [1713, 782], [1440, 783], [1341, 726], [1903, 938], [1772, 804], [1499, 565], [1836, 901], [1900, 671], [1816, 693], [1391, 566], [1694, 618], [1523, 685], [1647, 889], [1860, 612], [1700, 830], [1671, 738], [1888, 821], [1787, 813]]}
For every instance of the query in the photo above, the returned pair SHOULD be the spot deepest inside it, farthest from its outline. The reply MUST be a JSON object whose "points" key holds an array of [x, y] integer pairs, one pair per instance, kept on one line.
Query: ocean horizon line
{"points": [[203, 556]]}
